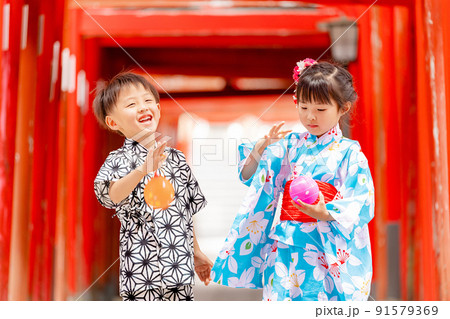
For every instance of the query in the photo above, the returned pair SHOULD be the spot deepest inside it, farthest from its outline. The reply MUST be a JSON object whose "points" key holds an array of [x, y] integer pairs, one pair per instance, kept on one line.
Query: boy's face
{"points": [[136, 110]]}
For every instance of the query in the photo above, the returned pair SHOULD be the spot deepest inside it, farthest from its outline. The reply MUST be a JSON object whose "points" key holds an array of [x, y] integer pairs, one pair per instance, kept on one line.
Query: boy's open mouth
{"points": [[145, 118]]}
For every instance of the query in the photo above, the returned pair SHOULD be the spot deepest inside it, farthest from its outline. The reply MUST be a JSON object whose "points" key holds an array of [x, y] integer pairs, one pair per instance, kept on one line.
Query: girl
{"points": [[316, 252]]}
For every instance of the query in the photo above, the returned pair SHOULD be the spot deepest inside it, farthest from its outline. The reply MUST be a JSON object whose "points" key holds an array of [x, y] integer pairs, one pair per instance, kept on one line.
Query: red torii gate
{"points": [[401, 124]]}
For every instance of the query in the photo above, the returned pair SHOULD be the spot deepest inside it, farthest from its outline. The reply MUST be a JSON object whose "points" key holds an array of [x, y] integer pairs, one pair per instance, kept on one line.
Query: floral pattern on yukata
{"points": [[323, 260], [156, 246]]}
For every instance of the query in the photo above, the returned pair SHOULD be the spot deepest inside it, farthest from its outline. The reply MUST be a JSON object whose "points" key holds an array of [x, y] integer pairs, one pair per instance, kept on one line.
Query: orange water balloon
{"points": [[159, 192]]}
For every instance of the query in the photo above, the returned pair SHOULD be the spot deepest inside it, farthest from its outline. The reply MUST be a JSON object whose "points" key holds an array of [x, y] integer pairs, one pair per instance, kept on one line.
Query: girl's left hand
{"points": [[318, 211]]}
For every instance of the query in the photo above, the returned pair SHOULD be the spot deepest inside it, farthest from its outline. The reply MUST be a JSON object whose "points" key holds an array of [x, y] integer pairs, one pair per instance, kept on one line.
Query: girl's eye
{"points": [[321, 110], [303, 108], [148, 101], [132, 104]]}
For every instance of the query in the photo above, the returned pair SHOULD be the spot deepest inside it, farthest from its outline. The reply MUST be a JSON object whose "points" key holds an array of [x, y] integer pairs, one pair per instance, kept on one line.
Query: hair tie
{"points": [[298, 69]]}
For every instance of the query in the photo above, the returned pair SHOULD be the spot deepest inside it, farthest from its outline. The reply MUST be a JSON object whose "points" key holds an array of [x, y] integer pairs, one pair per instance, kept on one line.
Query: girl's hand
{"points": [[203, 266], [274, 135], [251, 164], [318, 211]]}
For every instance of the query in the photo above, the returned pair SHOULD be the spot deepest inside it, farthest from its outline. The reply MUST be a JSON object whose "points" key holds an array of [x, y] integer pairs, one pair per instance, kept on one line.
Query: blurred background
{"points": [[223, 69]]}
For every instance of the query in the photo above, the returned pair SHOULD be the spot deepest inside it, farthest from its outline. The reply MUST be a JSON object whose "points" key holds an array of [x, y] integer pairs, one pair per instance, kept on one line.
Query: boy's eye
{"points": [[321, 110], [148, 101], [131, 104], [303, 108]]}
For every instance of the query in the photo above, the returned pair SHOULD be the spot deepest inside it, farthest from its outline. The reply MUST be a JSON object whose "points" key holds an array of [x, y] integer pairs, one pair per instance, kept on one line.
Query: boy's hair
{"points": [[106, 97], [323, 82]]}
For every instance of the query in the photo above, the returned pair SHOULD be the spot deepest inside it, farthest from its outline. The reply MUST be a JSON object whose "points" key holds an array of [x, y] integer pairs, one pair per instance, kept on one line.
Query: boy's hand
{"points": [[318, 211], [203, 266], [155, 158]]}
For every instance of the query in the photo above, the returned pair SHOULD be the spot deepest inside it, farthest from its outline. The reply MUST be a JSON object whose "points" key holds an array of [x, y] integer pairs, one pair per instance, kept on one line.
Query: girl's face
{"points": [[320, 118], [136, 110]]}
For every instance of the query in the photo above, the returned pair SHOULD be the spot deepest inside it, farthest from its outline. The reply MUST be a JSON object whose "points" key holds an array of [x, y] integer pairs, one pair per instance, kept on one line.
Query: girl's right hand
{"points": [[274, 135], [251, 164]]}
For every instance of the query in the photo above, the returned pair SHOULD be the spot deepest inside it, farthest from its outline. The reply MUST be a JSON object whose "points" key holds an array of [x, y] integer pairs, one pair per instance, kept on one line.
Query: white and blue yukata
{"points": [[291, 260]]}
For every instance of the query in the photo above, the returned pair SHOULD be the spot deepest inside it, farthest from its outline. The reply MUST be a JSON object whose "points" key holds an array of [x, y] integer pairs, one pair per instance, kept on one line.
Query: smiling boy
{"points": [[158, 247]]}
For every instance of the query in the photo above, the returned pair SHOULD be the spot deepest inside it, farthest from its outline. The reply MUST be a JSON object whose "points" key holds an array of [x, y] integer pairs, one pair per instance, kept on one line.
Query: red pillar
{"points": [[379, 65], [11, 11], [60, 275], [382, 118], [94, 224], [362, 118], [446, 45], [43, 210], [404, 57], [26, 103], [433, 246], [73, 165]]}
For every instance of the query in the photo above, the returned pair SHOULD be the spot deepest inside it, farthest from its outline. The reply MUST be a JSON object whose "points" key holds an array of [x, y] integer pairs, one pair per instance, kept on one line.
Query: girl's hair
{"points": [[323, 83], [106, 96]]}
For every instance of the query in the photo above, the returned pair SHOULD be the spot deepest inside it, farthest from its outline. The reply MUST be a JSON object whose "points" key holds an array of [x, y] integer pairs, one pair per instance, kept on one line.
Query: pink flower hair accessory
{"points": [[298, 69], [301, 65]]}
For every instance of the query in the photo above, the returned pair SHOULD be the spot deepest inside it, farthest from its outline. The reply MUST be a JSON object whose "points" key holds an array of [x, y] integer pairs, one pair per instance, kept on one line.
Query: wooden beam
{"points": [[247, 3], [388, 3], [202, 23], [289, 41], [224, 62], [186, 4]]}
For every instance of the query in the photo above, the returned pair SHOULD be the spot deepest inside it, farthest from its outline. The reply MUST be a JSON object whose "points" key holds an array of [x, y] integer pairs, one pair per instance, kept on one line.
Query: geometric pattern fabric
{"points": [[156, 245]]}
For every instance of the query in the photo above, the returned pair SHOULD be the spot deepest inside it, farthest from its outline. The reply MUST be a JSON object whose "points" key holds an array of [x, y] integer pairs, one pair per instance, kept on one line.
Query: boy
{"points": [[157, 246]]}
